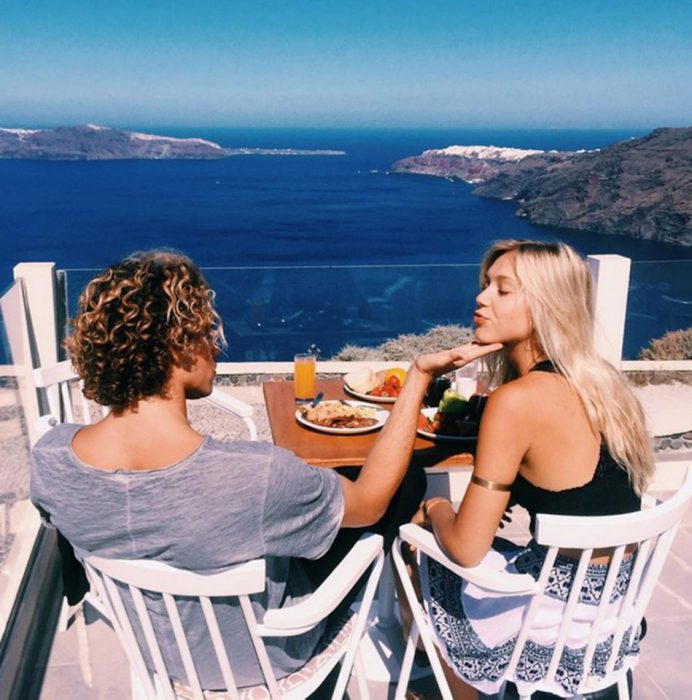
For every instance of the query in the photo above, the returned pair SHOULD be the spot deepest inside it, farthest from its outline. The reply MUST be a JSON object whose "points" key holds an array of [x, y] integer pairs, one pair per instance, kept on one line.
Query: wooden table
{"points": [[325, 450]]}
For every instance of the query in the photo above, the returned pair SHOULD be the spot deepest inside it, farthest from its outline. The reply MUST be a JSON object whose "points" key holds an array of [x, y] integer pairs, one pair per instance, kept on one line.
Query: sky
{"points": [[369, 63]]}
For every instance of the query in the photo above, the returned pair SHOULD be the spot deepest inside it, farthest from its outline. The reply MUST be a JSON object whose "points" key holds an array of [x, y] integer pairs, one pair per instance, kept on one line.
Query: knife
{"points": [[317, 399]]}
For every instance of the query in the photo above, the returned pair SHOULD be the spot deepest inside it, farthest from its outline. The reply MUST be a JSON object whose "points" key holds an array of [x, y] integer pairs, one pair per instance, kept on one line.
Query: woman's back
{"points": [[563, 449]]}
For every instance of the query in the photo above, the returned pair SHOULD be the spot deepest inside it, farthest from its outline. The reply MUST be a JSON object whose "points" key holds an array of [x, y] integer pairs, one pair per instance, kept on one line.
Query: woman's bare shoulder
{"points": [[515, 394], [525, 401]]}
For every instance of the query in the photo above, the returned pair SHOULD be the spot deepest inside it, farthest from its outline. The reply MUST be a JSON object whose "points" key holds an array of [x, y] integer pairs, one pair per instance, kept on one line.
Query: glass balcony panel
{"points": [[271, 313], [274, 312], [659, 300]]}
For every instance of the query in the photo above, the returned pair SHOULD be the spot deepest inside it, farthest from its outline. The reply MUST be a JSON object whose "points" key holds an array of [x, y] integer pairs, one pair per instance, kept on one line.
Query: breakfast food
{"points": [[456, 417], [453, 403], [362, 380], [383, 385], [391, 386], [335, 414]]}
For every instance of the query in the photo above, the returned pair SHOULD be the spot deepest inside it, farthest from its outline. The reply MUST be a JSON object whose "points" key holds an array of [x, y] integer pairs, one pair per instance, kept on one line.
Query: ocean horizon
{"points": [[285, 211]]}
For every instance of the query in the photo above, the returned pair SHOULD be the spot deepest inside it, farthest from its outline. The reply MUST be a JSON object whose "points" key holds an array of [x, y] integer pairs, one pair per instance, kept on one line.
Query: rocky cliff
{"points": [[93, 142], [640, 188]]}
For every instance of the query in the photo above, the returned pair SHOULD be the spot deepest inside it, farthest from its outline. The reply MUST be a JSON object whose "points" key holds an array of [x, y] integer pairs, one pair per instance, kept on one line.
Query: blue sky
{"points": [[447, 63]]}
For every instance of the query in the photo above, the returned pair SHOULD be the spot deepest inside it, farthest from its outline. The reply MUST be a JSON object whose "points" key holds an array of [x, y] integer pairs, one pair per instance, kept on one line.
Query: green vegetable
{"points": [[453, 403]]}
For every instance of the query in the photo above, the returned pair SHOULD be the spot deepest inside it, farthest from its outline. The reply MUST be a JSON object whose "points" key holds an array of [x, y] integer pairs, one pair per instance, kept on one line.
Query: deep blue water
{"points": [[265, 211]]}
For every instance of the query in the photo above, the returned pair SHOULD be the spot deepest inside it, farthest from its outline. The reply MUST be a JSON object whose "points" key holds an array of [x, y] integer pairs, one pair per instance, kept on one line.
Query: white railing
{"points": [[233, 369]]}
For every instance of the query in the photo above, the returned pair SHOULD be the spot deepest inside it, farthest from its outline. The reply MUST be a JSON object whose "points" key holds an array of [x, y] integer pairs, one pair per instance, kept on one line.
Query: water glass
{"points": [[466, 379], [304, 367]]}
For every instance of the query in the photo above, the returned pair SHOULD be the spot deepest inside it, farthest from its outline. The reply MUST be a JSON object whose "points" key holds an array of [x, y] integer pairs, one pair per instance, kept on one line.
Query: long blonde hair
{"points": [[558, 287]]}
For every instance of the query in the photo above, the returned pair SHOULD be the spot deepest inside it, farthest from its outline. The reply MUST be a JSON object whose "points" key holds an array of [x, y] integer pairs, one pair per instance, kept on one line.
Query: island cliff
{"points": [[640, 188], [92, 142]]}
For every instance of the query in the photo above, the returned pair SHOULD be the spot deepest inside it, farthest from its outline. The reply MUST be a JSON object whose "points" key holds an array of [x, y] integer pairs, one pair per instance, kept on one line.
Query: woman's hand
{"points": [[422, 515], [436, 363]]}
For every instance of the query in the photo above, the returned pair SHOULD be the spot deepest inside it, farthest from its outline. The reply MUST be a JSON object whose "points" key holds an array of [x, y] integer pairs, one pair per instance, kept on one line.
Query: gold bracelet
{"points": [[490, 485], [435, 501]]}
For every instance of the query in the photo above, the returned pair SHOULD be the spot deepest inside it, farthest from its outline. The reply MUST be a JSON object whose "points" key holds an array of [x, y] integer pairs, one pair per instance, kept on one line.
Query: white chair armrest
{"points": [[302, 617], [234, 406], [480, 575], [225, 402]]}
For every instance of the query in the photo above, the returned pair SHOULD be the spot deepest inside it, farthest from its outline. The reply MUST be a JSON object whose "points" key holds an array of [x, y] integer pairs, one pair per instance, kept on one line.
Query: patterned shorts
{"points": [[477, 632]]}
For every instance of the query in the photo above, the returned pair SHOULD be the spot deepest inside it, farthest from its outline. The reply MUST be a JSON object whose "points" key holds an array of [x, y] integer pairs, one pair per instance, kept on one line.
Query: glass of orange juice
{"points": [[304, 367]]}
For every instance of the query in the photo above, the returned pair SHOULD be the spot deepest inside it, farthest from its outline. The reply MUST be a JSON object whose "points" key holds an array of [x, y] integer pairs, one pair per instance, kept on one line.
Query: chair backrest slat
{"points": [[624, 621], [653, 570], [219, 647], [601, 614], [112, 600], [570, 608], [66, 402], [183, 646], [115, 611], [532, 609], [152, 644], [260, 650]]}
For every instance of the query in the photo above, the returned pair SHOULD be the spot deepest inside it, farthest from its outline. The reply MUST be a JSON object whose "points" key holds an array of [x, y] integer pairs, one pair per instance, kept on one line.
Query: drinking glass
{"points": [[304, 365], [466, 379]]}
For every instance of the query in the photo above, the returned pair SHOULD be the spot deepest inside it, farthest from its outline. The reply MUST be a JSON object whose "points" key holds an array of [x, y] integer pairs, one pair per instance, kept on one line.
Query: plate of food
{"points": [[456, 419], [342, 417], [383, 386]]}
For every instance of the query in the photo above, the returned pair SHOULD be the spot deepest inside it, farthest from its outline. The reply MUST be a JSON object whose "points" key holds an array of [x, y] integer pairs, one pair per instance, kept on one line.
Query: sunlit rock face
{"points": [[640, 187]]}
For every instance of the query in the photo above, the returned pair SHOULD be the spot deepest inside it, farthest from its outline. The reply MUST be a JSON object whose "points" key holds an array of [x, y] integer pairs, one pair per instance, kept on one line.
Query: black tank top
{"points": [[608, 493]]}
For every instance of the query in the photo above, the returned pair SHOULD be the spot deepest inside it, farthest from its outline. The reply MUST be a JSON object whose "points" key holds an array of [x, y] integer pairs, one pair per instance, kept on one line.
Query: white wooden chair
{"points": [[241, 581], [652, 531], [61, 383]]}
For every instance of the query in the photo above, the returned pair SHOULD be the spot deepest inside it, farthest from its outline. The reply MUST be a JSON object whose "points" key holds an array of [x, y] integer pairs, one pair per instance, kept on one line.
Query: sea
{"points": [[314, 251]]}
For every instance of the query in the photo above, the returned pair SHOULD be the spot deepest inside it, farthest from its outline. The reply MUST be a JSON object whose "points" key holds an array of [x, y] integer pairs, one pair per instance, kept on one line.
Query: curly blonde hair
{"points": [[135, 321]]}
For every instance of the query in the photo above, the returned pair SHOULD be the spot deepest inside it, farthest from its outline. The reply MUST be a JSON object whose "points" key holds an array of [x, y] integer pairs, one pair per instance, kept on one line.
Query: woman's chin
{"points": [[483, 338]]}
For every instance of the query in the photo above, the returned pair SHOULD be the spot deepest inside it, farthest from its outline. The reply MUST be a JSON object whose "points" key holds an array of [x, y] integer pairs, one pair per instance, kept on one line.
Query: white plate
{"points": [[367, 397], [381, 417], [430, 413]]}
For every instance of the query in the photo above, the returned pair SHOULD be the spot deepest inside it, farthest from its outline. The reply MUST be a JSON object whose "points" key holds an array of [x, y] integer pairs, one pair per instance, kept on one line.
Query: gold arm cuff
{"points": [[491, 485]]}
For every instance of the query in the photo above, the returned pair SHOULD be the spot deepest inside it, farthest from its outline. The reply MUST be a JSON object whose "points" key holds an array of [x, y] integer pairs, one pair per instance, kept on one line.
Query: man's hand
{"points": [[436, 363]]}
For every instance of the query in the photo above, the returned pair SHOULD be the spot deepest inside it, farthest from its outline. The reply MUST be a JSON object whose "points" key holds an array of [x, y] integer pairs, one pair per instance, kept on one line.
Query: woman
{"points": [[562, 433], [142, 483]]}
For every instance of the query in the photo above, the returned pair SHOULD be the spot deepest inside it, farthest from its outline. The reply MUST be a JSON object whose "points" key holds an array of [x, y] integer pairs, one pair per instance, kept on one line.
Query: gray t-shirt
{"points": [[226, 503]]}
